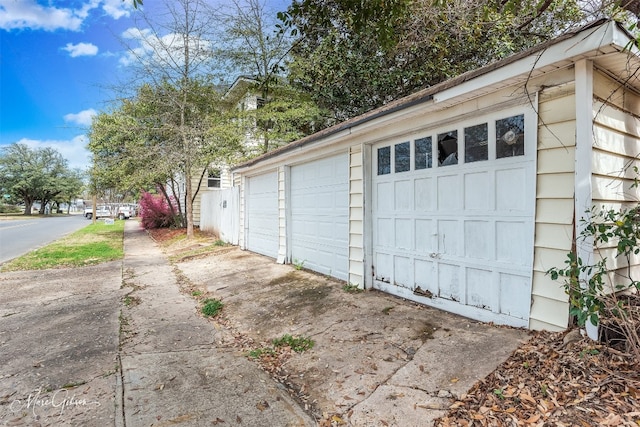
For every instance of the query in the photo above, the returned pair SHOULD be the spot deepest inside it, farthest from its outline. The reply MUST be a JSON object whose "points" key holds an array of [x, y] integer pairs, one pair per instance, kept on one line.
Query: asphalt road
{"points": [[20, 236]]}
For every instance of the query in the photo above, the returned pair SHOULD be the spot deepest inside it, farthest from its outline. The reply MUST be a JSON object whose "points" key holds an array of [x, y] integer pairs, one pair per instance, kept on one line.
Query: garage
{"points": [[452, 218], [261, 225], [319, 215]]}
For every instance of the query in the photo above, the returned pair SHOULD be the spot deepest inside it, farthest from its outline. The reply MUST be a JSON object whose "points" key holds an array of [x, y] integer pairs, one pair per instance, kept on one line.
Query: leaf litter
{"points": [[550, 382]]}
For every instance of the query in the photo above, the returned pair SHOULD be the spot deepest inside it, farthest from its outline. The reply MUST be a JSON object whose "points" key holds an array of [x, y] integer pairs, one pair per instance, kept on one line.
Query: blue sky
{"points": [[58, 60]]}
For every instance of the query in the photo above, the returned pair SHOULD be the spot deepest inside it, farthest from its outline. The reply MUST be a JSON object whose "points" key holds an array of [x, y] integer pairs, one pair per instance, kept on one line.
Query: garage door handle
{"points": [[434, 255]]}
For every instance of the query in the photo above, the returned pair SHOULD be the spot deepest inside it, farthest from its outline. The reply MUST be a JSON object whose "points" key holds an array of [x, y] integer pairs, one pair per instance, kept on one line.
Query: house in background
{"points": [[462, 195], [218, 177]]}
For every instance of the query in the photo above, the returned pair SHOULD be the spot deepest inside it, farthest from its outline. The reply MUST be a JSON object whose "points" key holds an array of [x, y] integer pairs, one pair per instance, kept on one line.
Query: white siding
{"points": [[356, 216], [554, 204], [615, 155]]}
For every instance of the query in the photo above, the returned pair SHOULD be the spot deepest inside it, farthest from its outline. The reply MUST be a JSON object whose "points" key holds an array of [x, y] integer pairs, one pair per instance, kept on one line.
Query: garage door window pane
{"points": [[384, 160], [510, 137], [448, 148], [476, 139], [403, 157], [422, 149]]}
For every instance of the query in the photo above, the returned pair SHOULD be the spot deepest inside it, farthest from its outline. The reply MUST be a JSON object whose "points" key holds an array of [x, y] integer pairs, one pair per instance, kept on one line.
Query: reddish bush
{"points": [[155, 212]]}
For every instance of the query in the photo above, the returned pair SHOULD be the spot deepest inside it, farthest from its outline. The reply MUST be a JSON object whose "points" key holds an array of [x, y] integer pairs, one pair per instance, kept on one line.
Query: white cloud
{"points": [[74, 150], [117, 8], [19, 14], [152, 49], [81, 49], [29, 14], [83, 118]]}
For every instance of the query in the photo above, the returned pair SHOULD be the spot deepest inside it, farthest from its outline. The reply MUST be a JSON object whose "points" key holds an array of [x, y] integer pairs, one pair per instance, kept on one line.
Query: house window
{"points": [[476, 143], [402, 157], [510, 137], [213, 180], [448, 148], [422, 148], [384, 160]]}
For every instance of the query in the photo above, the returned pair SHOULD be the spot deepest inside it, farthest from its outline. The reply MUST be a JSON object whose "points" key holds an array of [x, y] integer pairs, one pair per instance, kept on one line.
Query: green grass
{"points": [[211, 307], [297, 344], [91, 245]]}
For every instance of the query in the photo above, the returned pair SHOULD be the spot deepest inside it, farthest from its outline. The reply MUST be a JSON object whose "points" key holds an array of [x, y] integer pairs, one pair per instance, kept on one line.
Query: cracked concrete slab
{"points": [[377, 358], [58, 346]]}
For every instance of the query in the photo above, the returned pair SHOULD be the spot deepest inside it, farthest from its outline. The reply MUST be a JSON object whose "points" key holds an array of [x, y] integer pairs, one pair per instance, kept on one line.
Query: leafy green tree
{"points": [[174, 57], [39, 174], [253, 45], [353, 56], [141, 143], [71, 186]]}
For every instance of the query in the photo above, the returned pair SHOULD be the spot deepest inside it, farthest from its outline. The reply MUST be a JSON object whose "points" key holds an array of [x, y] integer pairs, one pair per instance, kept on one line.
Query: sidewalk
{"points": [[173, 370]]}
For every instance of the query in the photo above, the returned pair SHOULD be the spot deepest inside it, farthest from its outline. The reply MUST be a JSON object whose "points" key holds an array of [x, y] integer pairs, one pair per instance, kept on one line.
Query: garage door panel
{"points": [[511, 242], [463, 232], [404, 234], [425, 276], [320, 215], [384, 232], [383, 267], [403, 271], [478, 238], [423, 194], [479, 287], [449, 234], [449, 281], [425, 238], [403, 192], [262, 214], [449, 193], [511, 190], [511, 288], [476, 194]]}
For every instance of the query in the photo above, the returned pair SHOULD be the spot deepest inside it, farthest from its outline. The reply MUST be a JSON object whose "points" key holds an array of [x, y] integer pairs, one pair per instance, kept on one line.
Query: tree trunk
{"points": [[189, 207], [28, 204]]}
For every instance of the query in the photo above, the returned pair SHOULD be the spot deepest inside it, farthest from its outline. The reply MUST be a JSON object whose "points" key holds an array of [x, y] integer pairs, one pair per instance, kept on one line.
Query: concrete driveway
{"points": [[377, 359], [124, 344]]}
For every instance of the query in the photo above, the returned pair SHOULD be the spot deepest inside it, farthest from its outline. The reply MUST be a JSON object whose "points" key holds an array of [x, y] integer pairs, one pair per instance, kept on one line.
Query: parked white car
{"points": [[125, 212], [101, 212]]}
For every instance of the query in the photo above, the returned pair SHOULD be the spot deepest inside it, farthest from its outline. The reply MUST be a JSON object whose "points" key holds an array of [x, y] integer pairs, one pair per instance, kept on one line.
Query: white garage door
{"points": [[262, 225], [453, 226], [320, 215]]}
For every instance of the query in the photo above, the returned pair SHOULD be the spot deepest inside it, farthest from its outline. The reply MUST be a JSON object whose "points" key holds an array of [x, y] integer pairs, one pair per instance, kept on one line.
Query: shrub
{"points": [[155, 212], [595, 294]]}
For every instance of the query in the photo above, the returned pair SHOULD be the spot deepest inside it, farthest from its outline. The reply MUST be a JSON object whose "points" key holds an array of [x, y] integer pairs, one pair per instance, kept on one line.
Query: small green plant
{"points": [[387, 310], [196, 293], [351, 288], [211, 307], [130, 300], [544, 390], [259, 352], [499, 392], [219, 243], [297, 264], [588, 352], [297, 344]]}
